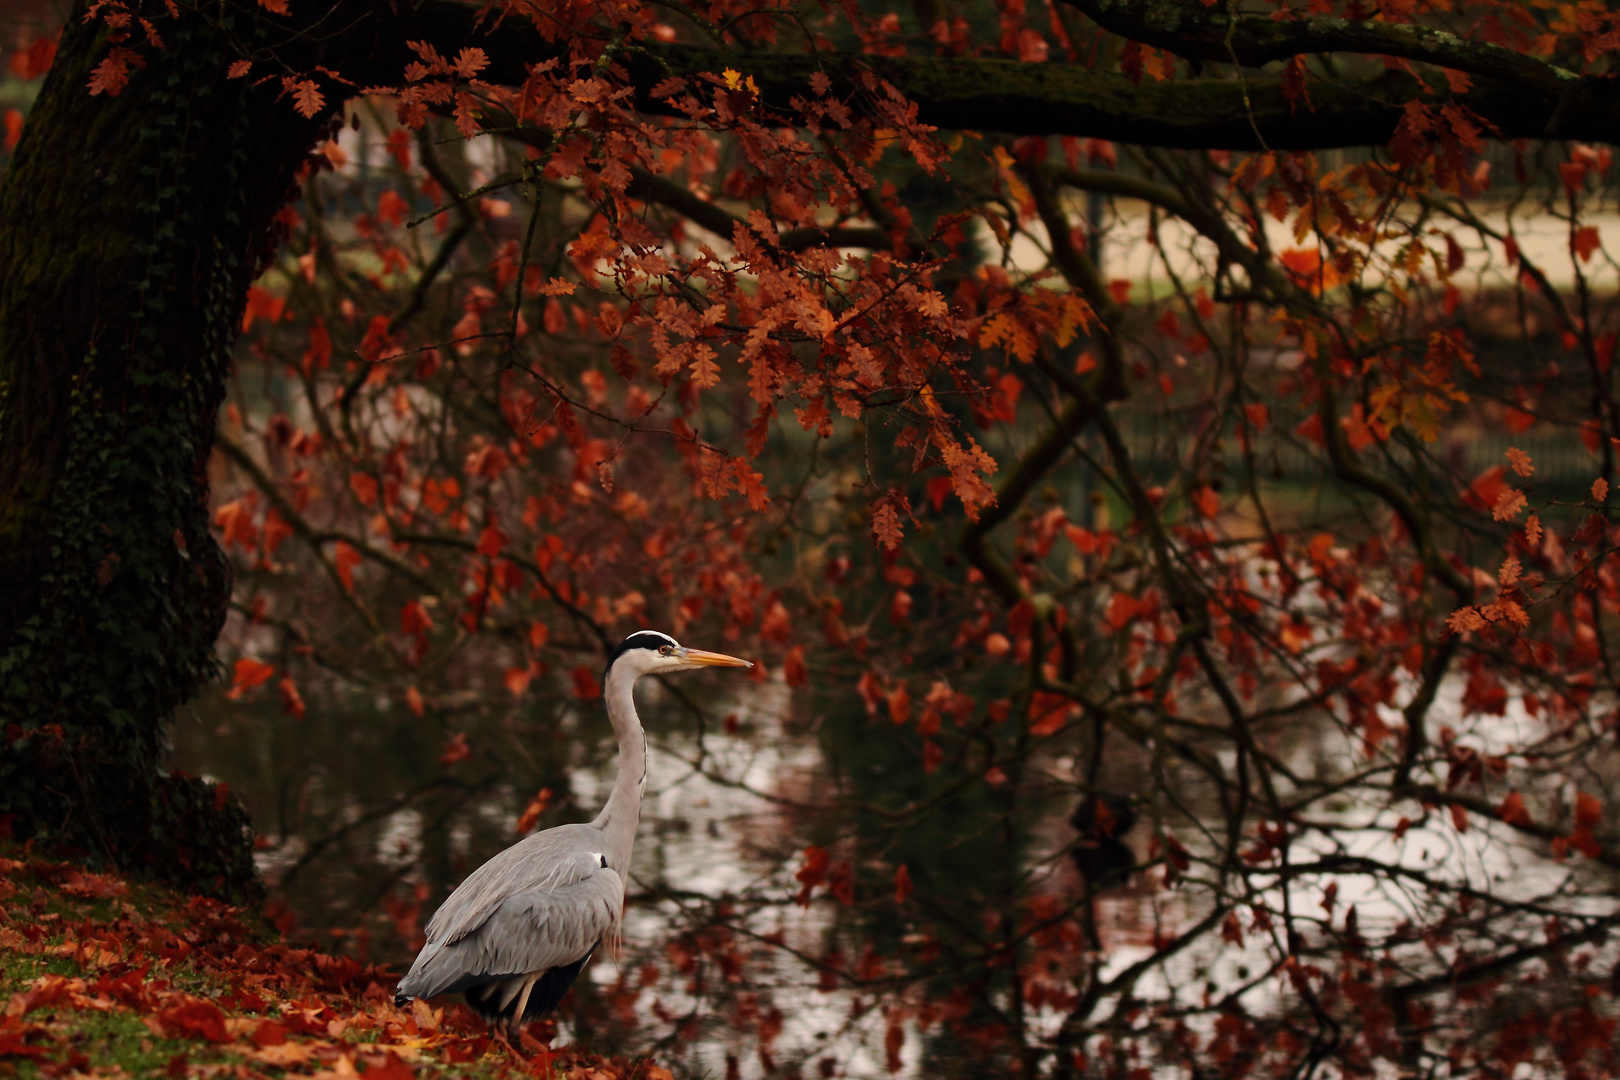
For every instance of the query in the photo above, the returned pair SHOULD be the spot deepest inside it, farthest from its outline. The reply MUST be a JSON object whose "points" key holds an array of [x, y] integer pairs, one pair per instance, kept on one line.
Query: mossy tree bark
{"points": [[130, 227]]}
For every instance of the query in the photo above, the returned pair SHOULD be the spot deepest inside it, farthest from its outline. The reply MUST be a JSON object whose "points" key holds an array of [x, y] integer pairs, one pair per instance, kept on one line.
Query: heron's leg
{"points": [[516, 1023]]}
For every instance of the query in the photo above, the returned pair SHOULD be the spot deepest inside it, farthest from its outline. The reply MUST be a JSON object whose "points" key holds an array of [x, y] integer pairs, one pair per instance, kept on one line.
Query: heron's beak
{"points": [[712, 659]]}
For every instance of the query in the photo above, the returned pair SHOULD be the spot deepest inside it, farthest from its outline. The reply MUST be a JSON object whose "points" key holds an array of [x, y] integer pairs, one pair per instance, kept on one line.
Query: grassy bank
{"points": [[100, 976]]}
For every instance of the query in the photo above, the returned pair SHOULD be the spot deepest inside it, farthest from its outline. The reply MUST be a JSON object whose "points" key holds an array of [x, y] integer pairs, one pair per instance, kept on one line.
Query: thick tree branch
{"points": [[1200, 32], [717, 219], [1517, 95]]}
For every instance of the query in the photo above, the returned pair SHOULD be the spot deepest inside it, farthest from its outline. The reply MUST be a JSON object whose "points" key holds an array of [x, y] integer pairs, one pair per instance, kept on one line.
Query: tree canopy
{"points": [[1173, 439]]}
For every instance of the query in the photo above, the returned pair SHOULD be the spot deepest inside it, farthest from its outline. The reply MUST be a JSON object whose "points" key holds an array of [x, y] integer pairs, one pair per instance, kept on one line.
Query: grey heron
{"points": [[515, 934]]}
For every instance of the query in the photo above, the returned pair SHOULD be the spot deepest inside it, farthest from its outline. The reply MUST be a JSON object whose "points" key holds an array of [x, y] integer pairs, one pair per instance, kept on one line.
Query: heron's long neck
{"points": [[623, 810]]}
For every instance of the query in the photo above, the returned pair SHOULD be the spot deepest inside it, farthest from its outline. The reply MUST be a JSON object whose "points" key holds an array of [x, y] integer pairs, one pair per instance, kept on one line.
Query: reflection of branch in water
{"points": [[282, 829], [699, 768], [468, 792], [393, 806]]}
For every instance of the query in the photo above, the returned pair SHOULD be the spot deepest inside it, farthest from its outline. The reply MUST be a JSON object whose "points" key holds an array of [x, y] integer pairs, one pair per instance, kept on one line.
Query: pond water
{"points": [[365, 829]]}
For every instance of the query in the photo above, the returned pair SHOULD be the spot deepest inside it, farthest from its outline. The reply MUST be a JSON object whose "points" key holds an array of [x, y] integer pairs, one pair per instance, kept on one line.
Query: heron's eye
{"points": [[663, 650]]}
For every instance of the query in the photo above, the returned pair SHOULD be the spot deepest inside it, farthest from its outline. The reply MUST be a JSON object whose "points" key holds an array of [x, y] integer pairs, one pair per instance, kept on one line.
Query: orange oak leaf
{"points": [[1508, 505]]}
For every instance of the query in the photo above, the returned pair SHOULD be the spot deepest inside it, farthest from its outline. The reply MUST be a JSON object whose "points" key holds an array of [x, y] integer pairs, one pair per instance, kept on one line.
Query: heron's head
{"points": [[647, 652]]}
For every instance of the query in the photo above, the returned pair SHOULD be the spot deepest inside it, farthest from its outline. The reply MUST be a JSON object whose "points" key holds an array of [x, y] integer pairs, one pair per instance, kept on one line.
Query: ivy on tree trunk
{"points": [[130, 227]]}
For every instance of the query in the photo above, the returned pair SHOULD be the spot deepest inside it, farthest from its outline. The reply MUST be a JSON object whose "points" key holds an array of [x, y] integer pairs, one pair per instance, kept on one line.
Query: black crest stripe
{"points": [[641, 639]]}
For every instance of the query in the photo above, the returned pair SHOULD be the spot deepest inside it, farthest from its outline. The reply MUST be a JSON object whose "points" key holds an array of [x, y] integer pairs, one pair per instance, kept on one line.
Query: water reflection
{"points": [[365, 830], [368, 829]]}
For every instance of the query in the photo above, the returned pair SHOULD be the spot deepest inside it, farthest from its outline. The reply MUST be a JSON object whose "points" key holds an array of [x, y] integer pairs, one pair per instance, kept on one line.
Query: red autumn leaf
{"points": [[899, 701], [456, 749], [1583, 841], [413, 618], [1083, 539], [235, 522], [1293, 84], [491, 541], [902, 884], [276, 530], [1459, 817], [247, 674], [1311, 428], [886, 524], [841, 882], [516, 680], [364, 488], [392, 1067], [812, 873], [1588, 811], [586, 688], [1520, 461], [469, 62], [194, 1018], [1585, 242], [1591, 435], [345, 558], [1122, 608], [1509, 503], [392, 207], [794, 672], [15, 1036], [307, 97], [413, 700], [319, 353], [531, 813], [1049, 721], [1513, 810], [377, 344], [292, 702], [112, 74], [268, 1033], [1510, 572]]}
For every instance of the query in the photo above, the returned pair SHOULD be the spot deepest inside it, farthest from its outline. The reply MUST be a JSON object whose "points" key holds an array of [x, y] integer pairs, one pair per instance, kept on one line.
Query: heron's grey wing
{"points": [[528, 932], [553, 859]]}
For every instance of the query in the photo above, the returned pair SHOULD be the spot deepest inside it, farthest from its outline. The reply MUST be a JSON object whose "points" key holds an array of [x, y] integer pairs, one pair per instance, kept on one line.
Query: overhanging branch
{"points": [[1200, 32], [1518, 95]]}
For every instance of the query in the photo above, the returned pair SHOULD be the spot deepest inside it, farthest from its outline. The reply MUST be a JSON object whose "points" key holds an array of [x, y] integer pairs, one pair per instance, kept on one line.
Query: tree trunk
{"points": [[130, 228]]}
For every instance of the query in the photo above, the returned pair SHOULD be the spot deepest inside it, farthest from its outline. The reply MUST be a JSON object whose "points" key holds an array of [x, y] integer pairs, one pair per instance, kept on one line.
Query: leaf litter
{"points": [[102, 977]]}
